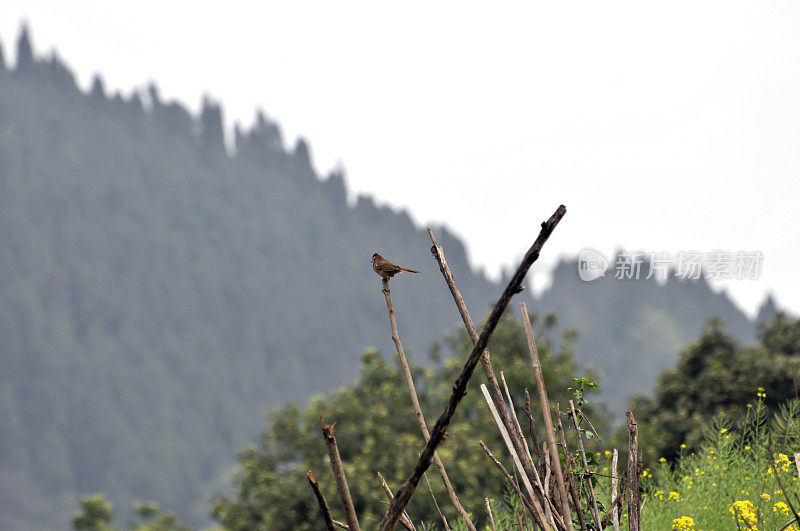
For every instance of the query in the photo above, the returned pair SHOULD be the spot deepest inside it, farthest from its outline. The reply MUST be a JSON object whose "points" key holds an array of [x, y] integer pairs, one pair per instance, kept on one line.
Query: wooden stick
{"points": [[323, 504], [404, 520], [338, 473], [595, 512], [548, 421], [546, 482], [514, 415], [489, 510], [418, 410], [340, 525], [436, 504], [486, 363], [403, 496], [570, 478], [525, 500], [528, 487], [634, 516], [614, 487], [614, 509], [531, 427]]}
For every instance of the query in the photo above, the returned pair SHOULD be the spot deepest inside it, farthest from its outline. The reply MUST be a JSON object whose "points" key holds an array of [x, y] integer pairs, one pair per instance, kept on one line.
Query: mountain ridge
{"points": [[158, 294]]}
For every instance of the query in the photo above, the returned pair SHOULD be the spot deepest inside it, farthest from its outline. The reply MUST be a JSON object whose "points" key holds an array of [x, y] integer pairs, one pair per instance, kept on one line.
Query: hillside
{"points": [[158, 295]]}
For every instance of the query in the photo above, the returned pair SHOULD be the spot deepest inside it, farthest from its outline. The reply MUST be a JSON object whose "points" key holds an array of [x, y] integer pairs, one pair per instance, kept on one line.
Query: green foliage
{"points": [[732, 480], [376, 431], [581, 385], [96, 514], [717, 376]]}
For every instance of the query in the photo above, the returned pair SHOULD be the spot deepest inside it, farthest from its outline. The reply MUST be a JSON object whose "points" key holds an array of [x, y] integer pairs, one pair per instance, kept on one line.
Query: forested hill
{"points": [[158, 295]]}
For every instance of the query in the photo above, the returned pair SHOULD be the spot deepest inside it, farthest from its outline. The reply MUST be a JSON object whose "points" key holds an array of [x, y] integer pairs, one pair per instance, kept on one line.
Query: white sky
{"points": [[662, 127]]}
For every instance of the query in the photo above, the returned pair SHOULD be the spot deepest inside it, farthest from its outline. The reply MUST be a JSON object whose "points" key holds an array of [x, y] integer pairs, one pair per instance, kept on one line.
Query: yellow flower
{"points": [[683, 446], [765, 496], [746, 446], [674, 496], [662, 460], [608, 453], [781, 507], [683, 523], [723, 430], [743, 512]]}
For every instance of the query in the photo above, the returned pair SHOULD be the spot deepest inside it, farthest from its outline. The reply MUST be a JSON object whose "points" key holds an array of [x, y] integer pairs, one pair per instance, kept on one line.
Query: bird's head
{"points": [[376, 256]]}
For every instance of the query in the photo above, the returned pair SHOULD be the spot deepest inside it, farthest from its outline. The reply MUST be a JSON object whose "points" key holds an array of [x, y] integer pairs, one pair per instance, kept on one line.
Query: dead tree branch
{"points": [[323, 504], [338, 473], [517, 437], [634, 514], [404, 520], [570, 478], [548, 421], [595, 512], [403, 496], [540, 513], [418, 410], [525, 500]]}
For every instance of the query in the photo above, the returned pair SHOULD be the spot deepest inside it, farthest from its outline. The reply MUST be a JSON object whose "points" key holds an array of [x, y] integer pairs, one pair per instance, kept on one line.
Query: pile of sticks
{"points": [[550, 494]]}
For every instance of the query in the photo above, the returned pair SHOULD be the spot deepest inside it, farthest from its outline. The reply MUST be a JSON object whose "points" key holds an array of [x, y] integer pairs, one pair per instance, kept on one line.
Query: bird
{"points": [[386, 268]]}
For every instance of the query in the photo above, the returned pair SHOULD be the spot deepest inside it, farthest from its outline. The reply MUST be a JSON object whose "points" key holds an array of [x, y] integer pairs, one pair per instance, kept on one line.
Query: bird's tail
{"points": [[409, 270]]}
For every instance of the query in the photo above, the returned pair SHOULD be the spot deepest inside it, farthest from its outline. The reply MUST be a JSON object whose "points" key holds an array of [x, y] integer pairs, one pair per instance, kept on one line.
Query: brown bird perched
{"points": [[387, 269]]}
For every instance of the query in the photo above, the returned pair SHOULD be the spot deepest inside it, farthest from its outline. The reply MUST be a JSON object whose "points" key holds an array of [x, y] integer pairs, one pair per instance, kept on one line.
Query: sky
{"points": [[663, 127]]}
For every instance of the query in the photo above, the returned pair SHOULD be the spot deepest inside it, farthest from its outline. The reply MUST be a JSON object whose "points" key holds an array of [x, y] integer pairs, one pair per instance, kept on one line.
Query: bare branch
{"points": [[517, 437], [404, 519], [548, 421], [338, 473], [418, 410], [436, 504], [528, 487], [403, 496], [491, 517], [595, 512], [634, 514], [323, 504], [569, 477], [525, 500], [614, 487]]}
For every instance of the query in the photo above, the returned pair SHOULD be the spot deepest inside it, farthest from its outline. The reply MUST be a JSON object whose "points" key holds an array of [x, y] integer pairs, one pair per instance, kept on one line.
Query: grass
{"points": [[734, 481]]}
